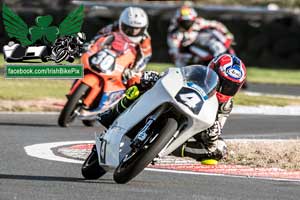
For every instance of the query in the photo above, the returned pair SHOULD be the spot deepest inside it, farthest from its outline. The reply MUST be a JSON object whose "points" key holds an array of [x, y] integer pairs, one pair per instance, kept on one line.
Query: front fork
{"points": [[142, 135]]}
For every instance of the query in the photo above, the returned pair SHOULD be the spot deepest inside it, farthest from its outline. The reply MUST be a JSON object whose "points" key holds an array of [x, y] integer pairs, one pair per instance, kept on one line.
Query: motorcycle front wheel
{"points": [[91, 168], [132, 167], [72, 107]]}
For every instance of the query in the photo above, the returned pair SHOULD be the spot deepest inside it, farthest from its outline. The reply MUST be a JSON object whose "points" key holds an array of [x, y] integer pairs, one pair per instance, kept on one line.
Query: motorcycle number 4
{"points": [[190, 99]]}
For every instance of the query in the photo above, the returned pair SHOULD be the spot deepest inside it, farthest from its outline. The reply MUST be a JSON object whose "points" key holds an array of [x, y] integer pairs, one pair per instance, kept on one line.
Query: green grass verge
{"points": [[20, 89], [1, 61], [246, 100], [17, 89], [275, 76], [254, 74], [160, 67]]}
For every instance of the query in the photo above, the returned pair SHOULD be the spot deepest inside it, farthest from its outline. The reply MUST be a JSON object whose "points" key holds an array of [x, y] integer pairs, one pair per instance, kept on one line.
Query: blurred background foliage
{"points": [[54, 3]]}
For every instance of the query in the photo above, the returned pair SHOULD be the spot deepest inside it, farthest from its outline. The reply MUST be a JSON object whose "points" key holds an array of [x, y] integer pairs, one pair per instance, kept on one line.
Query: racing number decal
{"points": [[96, 60], [191, 98], [103, 60], [107, 62]]}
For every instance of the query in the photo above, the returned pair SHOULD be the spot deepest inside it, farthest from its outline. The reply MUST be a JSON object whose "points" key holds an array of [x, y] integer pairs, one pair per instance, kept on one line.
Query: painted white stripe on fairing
{"points": [[44, 151]]}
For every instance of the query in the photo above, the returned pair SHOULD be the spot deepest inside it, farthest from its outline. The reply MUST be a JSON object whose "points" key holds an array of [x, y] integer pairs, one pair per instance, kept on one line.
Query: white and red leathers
{"points": [[209, 144], [179, 39]]}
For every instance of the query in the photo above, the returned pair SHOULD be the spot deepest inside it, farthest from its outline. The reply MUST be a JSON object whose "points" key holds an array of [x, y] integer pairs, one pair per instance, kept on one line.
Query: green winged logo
{"points": [[42, 30]]}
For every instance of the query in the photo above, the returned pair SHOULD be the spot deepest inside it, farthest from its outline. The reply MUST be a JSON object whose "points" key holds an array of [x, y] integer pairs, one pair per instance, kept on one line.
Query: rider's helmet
{"points": [[133, 23], [232, 75], [185, 17], [80, 38]]}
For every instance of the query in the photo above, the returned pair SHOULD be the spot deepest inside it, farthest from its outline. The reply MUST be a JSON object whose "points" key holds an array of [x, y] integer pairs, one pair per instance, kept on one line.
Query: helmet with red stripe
{"points": [[186, 17], [232, 75]]}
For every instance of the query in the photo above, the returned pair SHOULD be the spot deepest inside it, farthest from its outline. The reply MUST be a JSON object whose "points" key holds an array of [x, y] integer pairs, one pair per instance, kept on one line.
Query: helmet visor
{"points": [[185, 24], [132, 31], [228, 87]]}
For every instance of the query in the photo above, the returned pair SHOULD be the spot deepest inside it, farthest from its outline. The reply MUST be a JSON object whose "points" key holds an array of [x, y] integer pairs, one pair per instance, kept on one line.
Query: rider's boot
{"points": [[200, 151], [208, 145]]}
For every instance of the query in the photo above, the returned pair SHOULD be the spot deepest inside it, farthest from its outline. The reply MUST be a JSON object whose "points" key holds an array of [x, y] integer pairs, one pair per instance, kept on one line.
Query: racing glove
{"points": [[148, 79]]}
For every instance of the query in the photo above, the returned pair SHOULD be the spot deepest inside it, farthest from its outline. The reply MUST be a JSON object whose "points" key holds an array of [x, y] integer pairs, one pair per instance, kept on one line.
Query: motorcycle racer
{"points": [[133, 23], [184, 31], [112, 62], [207, 144]]}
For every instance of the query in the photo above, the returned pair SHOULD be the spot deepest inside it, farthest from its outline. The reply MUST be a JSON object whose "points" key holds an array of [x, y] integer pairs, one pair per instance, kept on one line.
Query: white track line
{"points": [[260, 140], [267, 110], [222, 175], [44, 151], [271, 95]]}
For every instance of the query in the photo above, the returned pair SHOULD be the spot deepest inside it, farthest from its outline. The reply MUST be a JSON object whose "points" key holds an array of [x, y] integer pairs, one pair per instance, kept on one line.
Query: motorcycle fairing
{"points": [[108, 99], [164, 91]]}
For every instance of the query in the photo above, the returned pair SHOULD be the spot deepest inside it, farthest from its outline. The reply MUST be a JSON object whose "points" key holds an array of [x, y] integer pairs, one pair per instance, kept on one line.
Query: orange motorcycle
{"points": [[103, 83]]}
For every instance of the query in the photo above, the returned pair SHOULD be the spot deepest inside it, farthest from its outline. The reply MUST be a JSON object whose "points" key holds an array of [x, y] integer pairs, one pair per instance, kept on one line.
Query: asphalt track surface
{"points": [[24, 177]]}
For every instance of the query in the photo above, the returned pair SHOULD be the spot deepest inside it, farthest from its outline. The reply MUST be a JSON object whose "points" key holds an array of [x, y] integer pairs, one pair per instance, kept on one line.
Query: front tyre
{"points": [[129, 169], [68, 113], [91, 169]]}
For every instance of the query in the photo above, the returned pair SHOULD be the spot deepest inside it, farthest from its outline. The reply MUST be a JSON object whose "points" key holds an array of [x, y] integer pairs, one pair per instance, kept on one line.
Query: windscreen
{"points": [[201, 77]]}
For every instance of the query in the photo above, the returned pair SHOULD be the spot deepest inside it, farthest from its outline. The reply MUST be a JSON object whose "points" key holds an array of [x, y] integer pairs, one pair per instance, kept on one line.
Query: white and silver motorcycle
{"points": [[181, 104]]}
